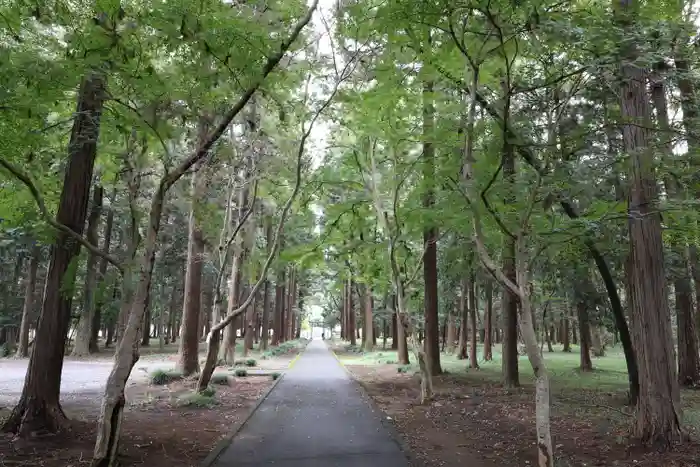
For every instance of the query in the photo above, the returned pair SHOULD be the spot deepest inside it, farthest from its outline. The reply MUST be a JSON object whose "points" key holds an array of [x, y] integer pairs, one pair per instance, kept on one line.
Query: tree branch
{"points": [[39, 199]]}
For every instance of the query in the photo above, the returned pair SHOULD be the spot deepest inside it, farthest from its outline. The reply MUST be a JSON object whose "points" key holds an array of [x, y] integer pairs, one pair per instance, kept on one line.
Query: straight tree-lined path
{"points": [[315, 417]]}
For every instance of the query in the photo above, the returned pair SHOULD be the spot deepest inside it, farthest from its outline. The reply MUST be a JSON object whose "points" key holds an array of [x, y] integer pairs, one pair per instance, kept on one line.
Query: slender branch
{"points": [[272, 62], [287, 206], [39, 199]]}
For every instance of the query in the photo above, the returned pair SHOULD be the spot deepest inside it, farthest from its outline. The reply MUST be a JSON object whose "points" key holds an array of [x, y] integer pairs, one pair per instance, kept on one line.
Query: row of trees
{"points": [[144, 95], [545, 149], [521, 149]]}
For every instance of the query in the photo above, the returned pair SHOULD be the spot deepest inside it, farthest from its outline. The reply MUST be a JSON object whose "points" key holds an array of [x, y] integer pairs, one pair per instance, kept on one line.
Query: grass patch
{"points": [[251, 362], [163, 377], [241, 372], [276, 375], [205, 400]]}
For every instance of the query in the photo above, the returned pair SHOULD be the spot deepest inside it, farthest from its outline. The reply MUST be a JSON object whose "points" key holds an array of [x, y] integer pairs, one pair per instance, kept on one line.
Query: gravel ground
{"points": [[80, 378]]}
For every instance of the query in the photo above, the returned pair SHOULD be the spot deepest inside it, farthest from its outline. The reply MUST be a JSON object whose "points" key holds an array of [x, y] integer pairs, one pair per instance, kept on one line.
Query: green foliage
{"points": [[241, 372]]}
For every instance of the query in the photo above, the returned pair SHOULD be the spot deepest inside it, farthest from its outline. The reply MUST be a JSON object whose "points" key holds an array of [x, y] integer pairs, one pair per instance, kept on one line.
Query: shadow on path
{"points": [[315, 417]]}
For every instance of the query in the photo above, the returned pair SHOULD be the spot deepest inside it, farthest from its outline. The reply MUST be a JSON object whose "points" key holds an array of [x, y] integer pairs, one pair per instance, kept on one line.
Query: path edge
{"points": [[226, 441], [386, 422]]}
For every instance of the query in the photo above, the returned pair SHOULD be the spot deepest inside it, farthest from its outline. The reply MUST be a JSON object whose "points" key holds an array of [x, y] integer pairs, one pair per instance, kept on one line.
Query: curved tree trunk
{"points": [[39, 408]]}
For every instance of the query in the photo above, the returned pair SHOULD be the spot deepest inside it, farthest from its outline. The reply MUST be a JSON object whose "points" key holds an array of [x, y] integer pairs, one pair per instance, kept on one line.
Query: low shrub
{"points": [[163, 377]]}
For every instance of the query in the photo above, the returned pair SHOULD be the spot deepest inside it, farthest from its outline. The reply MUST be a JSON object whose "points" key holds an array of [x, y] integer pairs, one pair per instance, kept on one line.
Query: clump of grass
{"points": [[241, 372], [403, 369], [208, 392], [202, 400], [276, 375], [220, 379], [163, 377], [390, 362], [7, 350], [250, 362]]}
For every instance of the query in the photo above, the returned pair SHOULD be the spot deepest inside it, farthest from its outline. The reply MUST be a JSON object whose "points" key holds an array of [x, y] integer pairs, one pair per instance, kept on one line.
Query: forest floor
{"points": [[474, 420], [164, 424]]}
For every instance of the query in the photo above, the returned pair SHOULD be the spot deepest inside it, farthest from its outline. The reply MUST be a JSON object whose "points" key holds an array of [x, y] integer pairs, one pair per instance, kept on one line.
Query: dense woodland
{"points": [[454, 176]]}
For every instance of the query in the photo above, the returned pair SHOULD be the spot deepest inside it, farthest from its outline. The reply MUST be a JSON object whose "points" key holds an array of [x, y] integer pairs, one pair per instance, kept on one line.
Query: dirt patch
{"points": [[159, 430], [480, 424]]}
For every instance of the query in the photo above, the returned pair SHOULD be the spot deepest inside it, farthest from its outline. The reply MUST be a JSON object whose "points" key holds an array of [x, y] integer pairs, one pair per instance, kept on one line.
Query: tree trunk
{"points": [[585, 330], [394, 331], [81, 347], [39, 408], [278, 309], [430, 237], [28, 307], [565, 331], [368, 331], [450, 334], [97, 316], [509, 301], [488, 318], [146, 328], [688, 361], [352, 319], [188, 350], [473, 361], [658, 416], [249, 317], [265, 333], [463, 320]]}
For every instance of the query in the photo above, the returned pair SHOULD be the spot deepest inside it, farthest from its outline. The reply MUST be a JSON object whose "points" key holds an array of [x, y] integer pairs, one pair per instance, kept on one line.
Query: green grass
{"points": [[607, 380], [609, 371], [163, 377], [204, 400]]}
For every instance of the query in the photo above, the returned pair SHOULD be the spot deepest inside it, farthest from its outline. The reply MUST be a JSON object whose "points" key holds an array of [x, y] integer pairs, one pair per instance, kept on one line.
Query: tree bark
{"points": [[430, 237], [97, 316], [509, 301], [585, 335], [488, 318], [658, 416], [473, 361], [463, 320], [368, 331], [265, 333], [28, 307], [81, 346], [565, 331], [39, 408], [188, 350]]}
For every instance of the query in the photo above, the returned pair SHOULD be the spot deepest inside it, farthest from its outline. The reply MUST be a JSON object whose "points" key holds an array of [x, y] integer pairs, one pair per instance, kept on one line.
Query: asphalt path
{"points": [[315, 417]]}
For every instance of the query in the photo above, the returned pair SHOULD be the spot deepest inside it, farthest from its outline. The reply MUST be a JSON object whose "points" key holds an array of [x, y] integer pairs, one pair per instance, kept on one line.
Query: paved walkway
{"points": [[315, 417]]}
